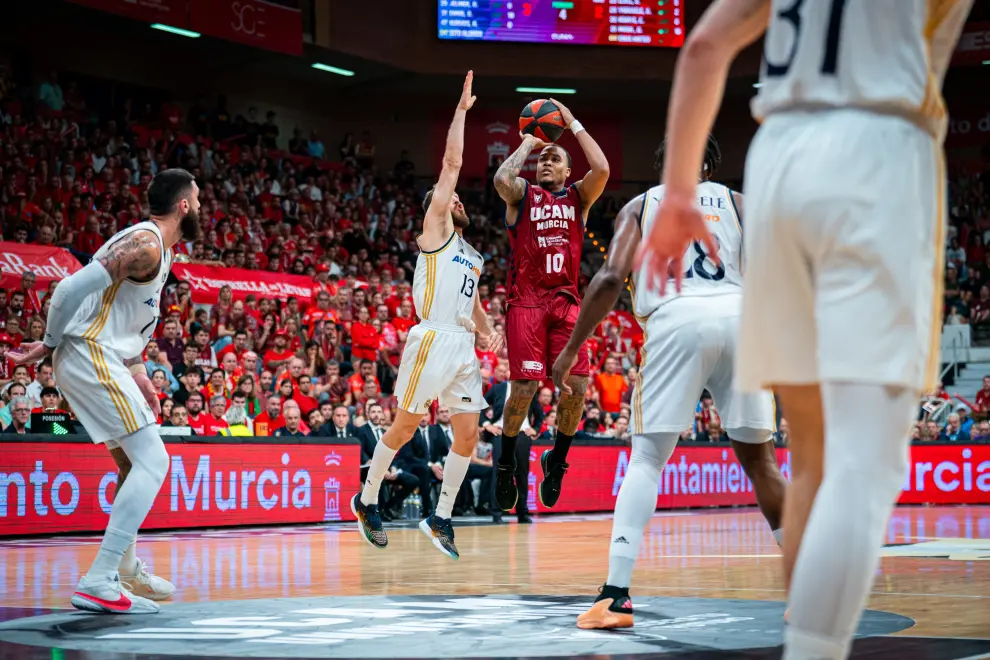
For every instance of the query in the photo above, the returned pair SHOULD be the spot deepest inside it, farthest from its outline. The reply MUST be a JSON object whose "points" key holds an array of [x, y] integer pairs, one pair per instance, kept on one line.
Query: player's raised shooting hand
{"points": [[467, 99], [533, 141], [30, 353], [679, 222], [562, 370], [565, 112]]}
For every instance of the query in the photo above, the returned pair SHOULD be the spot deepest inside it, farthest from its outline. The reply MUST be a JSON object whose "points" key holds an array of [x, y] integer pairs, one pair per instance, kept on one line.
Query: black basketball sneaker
{"points": [[553, 476], [612, 609], [369, 522], [441, 532], [506, 493]]}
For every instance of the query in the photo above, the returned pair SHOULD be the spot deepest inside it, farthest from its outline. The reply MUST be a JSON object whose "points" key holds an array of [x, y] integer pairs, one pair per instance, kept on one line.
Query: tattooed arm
{"points": [[135, 256], [510, 186]]}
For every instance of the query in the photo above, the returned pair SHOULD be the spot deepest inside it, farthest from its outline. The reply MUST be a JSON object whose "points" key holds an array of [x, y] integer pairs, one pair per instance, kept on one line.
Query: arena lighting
{"points": [[546, 90], [175, 30], [332, 69]]}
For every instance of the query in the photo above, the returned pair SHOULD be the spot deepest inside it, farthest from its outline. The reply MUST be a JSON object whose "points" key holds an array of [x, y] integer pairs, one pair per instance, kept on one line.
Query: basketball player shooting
{"points": [[690, 343], [101, 319], [546, 222], [438, 361], [845, 191]]}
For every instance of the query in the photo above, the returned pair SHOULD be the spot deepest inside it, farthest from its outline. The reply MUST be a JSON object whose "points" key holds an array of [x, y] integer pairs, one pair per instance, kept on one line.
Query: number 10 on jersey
{"points": [[555, 262]]}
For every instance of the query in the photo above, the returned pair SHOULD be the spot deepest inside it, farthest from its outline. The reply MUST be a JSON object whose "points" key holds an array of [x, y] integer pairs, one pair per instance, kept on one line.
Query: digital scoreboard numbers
{"points": [[588, 22]]}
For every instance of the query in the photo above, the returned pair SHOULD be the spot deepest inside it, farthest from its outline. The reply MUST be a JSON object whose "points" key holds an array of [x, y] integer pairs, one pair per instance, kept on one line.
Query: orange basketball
{"points": [[542, 119]]}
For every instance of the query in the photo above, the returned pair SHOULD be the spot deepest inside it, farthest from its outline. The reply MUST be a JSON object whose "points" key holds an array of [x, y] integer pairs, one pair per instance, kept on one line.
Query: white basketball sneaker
{"points": [[146, 585], [106, 596]]}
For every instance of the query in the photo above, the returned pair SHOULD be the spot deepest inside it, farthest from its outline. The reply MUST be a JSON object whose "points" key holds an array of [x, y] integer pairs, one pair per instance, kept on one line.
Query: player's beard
{"points": [[460, 219], [190, 228]]}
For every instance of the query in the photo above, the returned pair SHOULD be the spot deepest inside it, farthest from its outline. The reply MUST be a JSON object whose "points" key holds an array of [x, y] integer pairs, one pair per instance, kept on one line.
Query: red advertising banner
{"points": [[491, 136], [53, 487], [50, 487], [47, 263], [974, 44], [205, 283], [170, 12], [251, 22]]}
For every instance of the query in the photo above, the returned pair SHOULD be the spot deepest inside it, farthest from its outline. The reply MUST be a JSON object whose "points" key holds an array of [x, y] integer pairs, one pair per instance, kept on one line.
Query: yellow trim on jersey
{"points": [[421, 356], [638, 394], [446, 245], [96, 327], [431, 285], [938, 274], [632, 295], [773, 411], [113, 391], [933, 105], [732, 207]]}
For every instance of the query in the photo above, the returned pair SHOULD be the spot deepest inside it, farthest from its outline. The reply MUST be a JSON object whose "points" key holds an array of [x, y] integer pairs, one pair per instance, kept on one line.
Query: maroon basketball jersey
{"points": [[546, 246]]}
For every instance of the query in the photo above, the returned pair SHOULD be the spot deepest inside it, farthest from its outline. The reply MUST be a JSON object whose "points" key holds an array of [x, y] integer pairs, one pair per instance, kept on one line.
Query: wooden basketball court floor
{"points": [[707, 585]]}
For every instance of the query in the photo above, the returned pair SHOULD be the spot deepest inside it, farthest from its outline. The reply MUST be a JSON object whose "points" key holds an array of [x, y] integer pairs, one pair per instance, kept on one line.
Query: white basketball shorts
{"points": [[689, 345], [844, 234], [100, 390], [439, 363]]}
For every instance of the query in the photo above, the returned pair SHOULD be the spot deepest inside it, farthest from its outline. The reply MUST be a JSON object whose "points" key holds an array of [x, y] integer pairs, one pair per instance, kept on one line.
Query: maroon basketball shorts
{"points": [[536, 336]]}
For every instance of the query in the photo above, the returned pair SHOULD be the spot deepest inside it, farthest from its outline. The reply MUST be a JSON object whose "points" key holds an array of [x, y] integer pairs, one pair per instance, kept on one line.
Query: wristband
{"points": [[575, 127], [137, 369]]}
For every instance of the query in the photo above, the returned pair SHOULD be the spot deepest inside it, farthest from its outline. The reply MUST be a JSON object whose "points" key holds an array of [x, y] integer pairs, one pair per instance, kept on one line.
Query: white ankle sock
{"points": [[454, 469], [129, 564], [376, 472], [111, 553], [778, 536]]}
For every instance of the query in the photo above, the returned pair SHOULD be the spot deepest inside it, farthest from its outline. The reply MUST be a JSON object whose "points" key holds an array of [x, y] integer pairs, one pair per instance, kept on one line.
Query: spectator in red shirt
{"points": [[304, 395], [266, 423], [364, 338], [293, 373], [321, 311], [215, 421], [357, 379], [404, 320], [197, 418], [280, 354], [32, 303], [485, 357], [238, 346], [982, 397]]}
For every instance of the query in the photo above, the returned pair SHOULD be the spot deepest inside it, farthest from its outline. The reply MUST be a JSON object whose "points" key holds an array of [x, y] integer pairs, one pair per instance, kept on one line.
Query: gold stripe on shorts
{"points": [[420, 364], [113, 390], [938, 275], [638, 397]]}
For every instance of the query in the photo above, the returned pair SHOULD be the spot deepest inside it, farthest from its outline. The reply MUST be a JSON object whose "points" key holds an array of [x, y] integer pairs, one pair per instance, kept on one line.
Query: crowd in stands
{"points": [[72, 177]]}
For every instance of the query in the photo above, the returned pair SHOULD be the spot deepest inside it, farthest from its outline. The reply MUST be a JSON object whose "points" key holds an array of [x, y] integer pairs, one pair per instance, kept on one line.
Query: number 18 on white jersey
{"points": [[701, 276]]}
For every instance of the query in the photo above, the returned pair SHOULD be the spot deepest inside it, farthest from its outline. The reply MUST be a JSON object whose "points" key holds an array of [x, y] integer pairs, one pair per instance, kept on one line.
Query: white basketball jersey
{"points": [[701, 276], [884, 55], [446, 280], [124, 316]]}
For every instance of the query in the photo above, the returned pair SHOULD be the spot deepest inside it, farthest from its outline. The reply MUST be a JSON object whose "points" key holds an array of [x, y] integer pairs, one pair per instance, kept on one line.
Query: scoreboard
{"points": [[589, 22]]}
